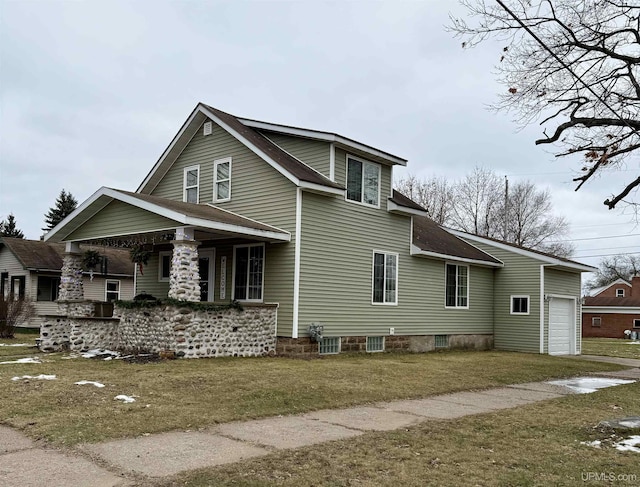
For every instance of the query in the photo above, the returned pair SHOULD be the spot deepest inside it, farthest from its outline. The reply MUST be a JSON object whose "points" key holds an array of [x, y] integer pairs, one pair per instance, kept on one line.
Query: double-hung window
{"points": [[191, 184], [248, 276], [457, 286], [619, 293], [363, 182], [222, 180], [164, 265], [385, 278], [112, 290]]}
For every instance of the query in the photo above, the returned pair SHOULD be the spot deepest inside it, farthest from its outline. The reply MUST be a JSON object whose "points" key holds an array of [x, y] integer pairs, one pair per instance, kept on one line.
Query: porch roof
{"points": [[111, 213]]}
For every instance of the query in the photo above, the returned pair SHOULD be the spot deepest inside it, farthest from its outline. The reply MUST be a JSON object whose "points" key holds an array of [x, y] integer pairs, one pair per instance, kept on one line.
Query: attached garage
{"points": [[562, 326]]}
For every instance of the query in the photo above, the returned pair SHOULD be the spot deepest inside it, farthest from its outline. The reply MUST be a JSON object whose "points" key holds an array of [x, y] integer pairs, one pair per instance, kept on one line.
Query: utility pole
{"points": [[506, 207]]}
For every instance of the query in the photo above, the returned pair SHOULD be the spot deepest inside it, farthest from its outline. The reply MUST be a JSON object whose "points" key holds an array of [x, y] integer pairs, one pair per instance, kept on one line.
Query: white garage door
{"points": [[561, 326]]}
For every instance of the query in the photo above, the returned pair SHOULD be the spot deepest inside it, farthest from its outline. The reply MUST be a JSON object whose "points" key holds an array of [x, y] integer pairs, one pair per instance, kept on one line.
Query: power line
{"points": [[609, 248], [595, 238], [605, 255]]}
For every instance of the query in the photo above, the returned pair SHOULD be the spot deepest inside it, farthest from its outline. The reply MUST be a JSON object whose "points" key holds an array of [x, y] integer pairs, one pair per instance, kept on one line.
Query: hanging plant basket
{"points": [[140, 256], [90, 260]]}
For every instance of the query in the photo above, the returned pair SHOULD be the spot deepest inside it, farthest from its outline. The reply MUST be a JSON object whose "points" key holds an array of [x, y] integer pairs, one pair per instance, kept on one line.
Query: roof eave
{"points": [[418, 252], [393, 207]]}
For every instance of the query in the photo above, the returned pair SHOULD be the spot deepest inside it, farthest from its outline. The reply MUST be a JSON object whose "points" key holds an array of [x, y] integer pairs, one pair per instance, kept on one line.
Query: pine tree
{"points": [[65, 204], [8, 228]]}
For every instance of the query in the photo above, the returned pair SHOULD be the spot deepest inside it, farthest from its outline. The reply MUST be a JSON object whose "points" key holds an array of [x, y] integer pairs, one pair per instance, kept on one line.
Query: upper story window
{"points": [[457, 286], [191, 184], [363, 182], [385, 278], [619, 293], [222, 180]]}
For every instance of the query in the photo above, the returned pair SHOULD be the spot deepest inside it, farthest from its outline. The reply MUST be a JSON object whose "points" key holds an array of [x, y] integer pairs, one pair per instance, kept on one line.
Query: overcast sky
{"points": [[92, 92]]}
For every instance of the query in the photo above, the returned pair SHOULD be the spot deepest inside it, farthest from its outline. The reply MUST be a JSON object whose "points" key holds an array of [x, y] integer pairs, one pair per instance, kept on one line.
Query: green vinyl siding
{"points": [[118, 218], [562, 283], [148, 282], [258, 191], [314, 153], [519, 276], [338, 241]]}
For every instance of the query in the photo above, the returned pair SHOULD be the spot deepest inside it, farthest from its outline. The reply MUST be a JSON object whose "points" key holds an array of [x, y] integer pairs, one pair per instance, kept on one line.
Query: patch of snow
{"points": [[633, 343], [37, 377], [99, 353], [630, 444], [630, 423], [587, 385], [26, 360], [594, 443], [125, 399], [15, 345], [83, 382]]}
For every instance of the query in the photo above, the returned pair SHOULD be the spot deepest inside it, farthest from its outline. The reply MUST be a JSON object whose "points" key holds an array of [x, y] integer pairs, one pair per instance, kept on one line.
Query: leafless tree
{"points": [[613, 268], [580, 78], [13, 312], [435, 194]]}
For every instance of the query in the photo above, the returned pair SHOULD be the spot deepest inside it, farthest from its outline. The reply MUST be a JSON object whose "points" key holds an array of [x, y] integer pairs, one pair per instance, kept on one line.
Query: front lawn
{"points": [[612, 347], [189, 394]]}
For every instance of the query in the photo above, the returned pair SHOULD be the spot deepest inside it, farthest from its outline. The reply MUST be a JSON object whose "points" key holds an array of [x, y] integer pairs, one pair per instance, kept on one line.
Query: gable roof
{"points": [[617, 282], [205, 216], [289, 166], [431, 240], [528, 252], [36, 255], [628, 302]]}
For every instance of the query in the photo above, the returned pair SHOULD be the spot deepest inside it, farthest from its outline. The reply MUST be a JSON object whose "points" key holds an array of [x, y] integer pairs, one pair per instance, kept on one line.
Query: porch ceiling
{"points": [[115, 214]]}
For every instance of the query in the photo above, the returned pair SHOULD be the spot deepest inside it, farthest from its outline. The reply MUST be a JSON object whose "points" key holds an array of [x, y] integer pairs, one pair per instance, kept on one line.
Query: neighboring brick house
{"points": [[612, 309]]}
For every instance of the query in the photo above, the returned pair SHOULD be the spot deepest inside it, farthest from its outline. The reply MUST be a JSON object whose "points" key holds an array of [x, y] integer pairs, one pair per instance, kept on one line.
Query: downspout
{"points": [[542, 306], [296, 264]]}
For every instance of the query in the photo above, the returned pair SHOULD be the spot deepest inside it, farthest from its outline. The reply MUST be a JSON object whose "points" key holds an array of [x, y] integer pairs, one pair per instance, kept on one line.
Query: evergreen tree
{"points": [[65, 204], [8, 228]]}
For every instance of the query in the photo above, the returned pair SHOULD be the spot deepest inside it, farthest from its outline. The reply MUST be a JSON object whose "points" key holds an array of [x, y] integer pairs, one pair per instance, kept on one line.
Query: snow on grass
{"points": [[26, 360], [630, 444], [594, 443], [100, 353], [633, 343], [125, 399], [15, 344], [37, 377], [93, 383], [587, 385]]}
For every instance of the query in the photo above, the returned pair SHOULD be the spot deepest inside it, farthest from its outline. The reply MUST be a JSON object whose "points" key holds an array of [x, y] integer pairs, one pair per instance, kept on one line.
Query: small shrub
{"points": [[13, 312]]}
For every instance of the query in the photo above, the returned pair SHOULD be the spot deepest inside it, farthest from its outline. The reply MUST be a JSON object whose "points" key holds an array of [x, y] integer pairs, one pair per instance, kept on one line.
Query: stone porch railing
{"points": [[183, 330]]}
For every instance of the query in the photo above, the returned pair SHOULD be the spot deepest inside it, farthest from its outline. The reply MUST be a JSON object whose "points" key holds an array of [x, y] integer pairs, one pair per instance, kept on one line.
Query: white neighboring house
{"points": [[32, 268]]}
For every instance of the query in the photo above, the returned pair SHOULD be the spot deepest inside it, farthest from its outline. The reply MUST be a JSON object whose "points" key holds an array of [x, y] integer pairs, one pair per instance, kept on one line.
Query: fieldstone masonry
{"points": [[71, 279], [184, 280]]}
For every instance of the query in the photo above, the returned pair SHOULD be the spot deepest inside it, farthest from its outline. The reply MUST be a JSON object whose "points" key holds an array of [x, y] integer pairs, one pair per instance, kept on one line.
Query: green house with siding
{"points": [[308, 222]]}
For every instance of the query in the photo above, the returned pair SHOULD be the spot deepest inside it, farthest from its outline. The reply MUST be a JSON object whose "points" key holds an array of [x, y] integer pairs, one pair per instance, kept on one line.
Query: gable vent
{"points": [[208, 128]]}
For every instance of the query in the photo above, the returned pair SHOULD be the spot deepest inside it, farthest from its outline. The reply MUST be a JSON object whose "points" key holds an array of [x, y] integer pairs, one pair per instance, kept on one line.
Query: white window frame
{"points": [[216, 181], [106, 288], [161, 254], [184, 183], [636, 323], [521, 296], [619, 293], [233, 277], [339, 339], [593, 321], [373, 264], [363, 162], [369, 350], [456, 296]]}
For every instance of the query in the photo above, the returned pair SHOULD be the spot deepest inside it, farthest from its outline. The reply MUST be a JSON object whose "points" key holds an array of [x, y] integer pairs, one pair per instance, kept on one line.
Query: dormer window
{"points": [[363, 182], [619, 293], [191, 184]]}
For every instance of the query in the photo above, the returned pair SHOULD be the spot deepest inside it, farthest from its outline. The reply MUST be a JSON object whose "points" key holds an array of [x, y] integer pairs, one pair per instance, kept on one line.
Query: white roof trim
{"points": [[527, 253], [324, 136], [418, 252], [396, 208], [318, 188], [175, 216], [623, 310], [91, 199], [598, 290]]}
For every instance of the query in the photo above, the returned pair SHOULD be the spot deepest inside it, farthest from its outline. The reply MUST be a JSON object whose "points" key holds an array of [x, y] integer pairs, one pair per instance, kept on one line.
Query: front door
{"points": [[206, 259]]}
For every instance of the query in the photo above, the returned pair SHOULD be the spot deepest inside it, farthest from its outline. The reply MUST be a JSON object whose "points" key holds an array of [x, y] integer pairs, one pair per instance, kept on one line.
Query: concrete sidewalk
{"points": [[118, 463]]}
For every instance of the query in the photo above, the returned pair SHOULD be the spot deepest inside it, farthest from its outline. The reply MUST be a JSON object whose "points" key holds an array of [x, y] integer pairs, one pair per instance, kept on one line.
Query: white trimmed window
{"points": [[164, 266], [48, 288], [596, 321], [329, 345], [222, 180], [363, 182], [619, 293], [457, 286], [385, 278], [636, 323], [375, 344], [248, 272], [112, 290], [519, 305], [191, 184]]}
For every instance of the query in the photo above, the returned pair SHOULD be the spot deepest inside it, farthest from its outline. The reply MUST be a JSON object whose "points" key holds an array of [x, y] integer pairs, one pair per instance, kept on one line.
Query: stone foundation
{"points": [[304, 347]]}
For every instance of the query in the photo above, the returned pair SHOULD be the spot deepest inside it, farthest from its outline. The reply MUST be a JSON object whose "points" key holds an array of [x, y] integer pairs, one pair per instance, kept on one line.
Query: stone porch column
{"points": [[71, 288], [184, 279]]}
